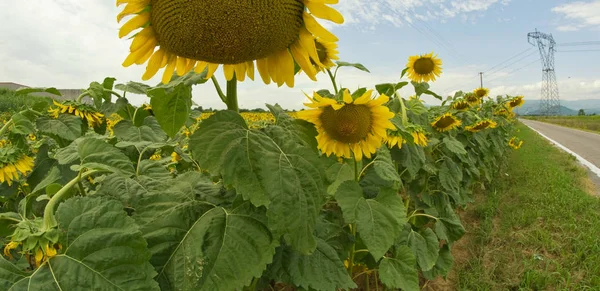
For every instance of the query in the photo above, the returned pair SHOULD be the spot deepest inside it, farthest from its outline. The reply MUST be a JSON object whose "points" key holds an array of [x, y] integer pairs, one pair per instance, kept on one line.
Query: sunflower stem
{"points": [[218, 88], [6, 126], [49, 219], [353, 251], [404, 116], [232, 100], [332, 77], [80, 97]]}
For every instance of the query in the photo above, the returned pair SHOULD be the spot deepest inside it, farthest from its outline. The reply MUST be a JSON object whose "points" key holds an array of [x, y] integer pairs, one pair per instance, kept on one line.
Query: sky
{"points": [[70, 43]]}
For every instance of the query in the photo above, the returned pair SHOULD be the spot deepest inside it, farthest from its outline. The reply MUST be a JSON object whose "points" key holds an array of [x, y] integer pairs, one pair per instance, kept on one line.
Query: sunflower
{"points": [[481, 92], [111, 121], [505, 112], [393, 139], [517, 101], [356, 126], [10, 246], [515, 143], [198, 35], [419, 137], [327, 52], [424, 68], [446, 122], [481, 125], [10, 167], [472, 98], [460, 105], [85, 112]]}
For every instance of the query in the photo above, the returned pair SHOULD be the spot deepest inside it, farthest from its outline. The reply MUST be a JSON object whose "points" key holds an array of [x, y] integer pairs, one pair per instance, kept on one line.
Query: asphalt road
{"points": [[585, 144]]}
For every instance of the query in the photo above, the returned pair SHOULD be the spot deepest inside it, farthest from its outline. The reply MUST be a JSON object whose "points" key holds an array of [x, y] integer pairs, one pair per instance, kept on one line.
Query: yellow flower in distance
{"points": [[515, 143], [10, 246], [203, 34], [446, 122], [424, 68], [393, 140], [481, 92], [356, 126], [481, 125], [517, 101], [472, 98], [460, 105], [327, 52]]}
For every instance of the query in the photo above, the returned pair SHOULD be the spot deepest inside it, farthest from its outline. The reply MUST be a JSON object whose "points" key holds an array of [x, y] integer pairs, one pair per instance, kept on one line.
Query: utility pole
{"points": [[481, 79]]}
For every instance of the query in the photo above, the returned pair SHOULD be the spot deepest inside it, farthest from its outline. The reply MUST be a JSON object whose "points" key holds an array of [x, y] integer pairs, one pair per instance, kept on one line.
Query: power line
{"points": [[571, 51], [512, 57], [511, 64], [513, 71]]}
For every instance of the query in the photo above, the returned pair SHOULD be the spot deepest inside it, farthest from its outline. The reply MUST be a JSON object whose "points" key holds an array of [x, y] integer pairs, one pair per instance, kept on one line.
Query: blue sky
{"points": [[69, 43]]}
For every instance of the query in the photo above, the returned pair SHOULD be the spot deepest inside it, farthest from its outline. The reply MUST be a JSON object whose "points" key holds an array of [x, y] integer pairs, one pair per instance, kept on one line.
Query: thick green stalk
{"points": [[232, 100], [49, 219], [80, 97], [218, 88]]}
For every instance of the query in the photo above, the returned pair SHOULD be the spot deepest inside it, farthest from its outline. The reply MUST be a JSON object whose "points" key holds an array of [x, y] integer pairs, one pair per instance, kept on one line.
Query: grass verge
{"points": [[538, 228], [588, 123]]}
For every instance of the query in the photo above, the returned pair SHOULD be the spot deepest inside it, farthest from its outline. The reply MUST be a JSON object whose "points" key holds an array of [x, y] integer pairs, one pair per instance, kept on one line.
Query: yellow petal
{"points": [[313, 26], [347, 97], [154, 64], [263, 69], [134, 23], [323, 11], [168, 73]]}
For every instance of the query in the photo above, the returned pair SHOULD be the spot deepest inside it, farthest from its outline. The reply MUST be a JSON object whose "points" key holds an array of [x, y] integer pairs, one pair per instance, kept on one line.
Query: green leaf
{"points": [[410, 156], [9, 274], [189, 79], [385, 168], [431, 93], [22, 124], [197, 246], [66, 126], [420, 88], [355, 65], [338, 174], [378, 220], [399, 272], [304, 130], [450, 175], [425, 246], [95, 154], [403, 72], [389, 89], [442, 266], [52, 176], [133, 87], [103, 250], [321, 270], [448, 227], [269, 168], [171, 107], [51, 90], [150, 131], [455, 146]]}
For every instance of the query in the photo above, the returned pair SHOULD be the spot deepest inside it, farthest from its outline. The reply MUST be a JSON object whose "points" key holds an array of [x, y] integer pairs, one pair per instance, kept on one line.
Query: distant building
{"points": [[67, 94]]}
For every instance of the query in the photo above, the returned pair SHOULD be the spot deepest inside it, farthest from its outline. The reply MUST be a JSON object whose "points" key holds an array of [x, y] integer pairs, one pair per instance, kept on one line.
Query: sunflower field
{"points": [[359, 190]]}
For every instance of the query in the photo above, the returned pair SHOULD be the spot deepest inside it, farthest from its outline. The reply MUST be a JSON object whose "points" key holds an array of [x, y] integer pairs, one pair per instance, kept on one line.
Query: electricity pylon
{"points": [[550, 103]]}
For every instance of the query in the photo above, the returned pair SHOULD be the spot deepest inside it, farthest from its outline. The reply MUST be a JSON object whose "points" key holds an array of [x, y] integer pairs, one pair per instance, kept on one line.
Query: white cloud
{"points": [[580, 15], [569, 89]]}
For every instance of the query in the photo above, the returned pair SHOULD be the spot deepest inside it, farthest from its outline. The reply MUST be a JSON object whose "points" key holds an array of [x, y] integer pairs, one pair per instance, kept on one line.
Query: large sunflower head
{"points": [[446, 122], [424, 68], [517, 101], [353, 126], [472, 98], [481, 125], [185, 35], [460, 105], [481, 92]]}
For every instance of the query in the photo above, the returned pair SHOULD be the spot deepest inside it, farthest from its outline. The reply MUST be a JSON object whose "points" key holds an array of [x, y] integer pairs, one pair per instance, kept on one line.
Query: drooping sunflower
{"points": [[85, 112], [446, 122], [12, 163], [424, 68], [517, 101], [481, 92], [472, 99], [10, 246], [200, 34], [419, 137], [356, 126], [515, 143], [460, 105], [481, 125], [505, 112], [394, 139]]}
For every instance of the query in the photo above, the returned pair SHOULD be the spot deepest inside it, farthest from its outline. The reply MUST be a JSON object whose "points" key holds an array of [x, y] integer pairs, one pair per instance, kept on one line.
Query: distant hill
{"points": [[568, 107]]}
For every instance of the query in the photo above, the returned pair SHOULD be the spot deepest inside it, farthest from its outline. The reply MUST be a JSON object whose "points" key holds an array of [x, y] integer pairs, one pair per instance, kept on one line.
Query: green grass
{"points": [[11, 102], [537, 228], [589, 123]]}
